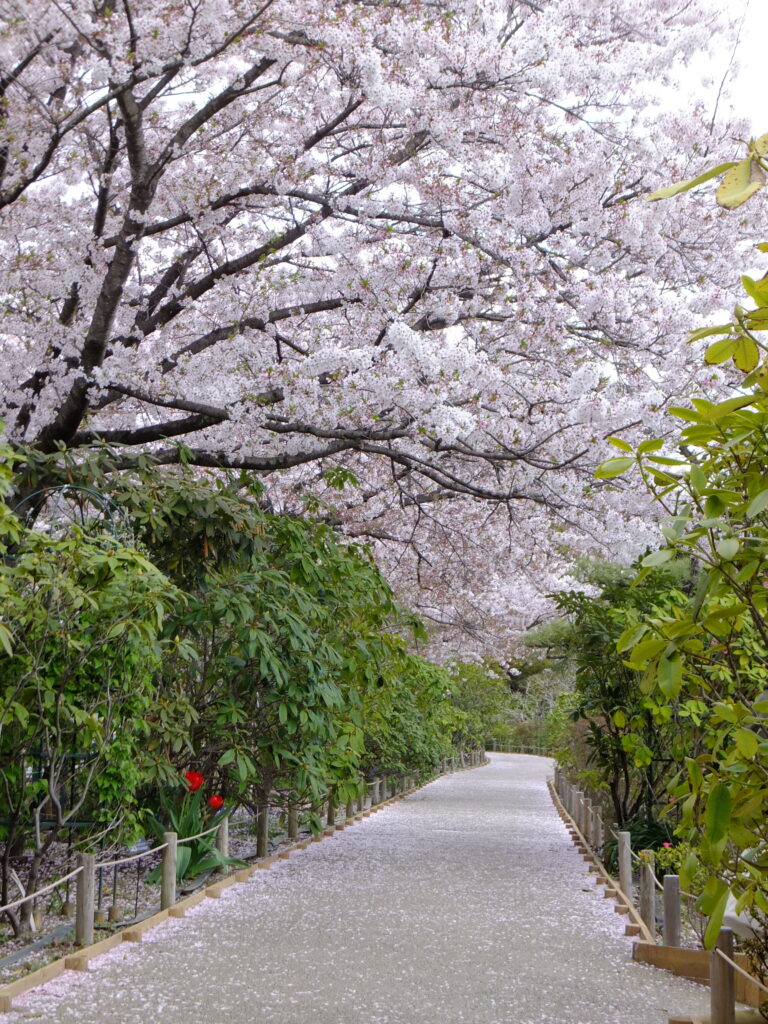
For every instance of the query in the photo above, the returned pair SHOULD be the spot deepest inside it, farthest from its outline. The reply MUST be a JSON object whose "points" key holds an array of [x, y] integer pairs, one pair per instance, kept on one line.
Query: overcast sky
{"points": [[748, 85]]}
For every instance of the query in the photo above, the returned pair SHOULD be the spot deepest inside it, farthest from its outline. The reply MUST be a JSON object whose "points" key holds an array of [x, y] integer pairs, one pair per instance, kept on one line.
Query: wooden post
{"points": [[625, 864], [721, 983], [262, 831], [361, 797], [86, 886], [376, 792], [586, 830], [578, 816], [168, 881], [383, 791], [222, 837], [349, 811], [293, 821], [597, 828], [671, 910], [648, 893], [330, 818]]}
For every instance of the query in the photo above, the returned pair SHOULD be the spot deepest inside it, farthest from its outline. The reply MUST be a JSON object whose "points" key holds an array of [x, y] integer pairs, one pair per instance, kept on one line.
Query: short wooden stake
{"points": [[349, 811], [648, 893], [721, 982], [293, 821], [671, 910], [625, 864], [168, 880], [222, 837], [84, 899]]}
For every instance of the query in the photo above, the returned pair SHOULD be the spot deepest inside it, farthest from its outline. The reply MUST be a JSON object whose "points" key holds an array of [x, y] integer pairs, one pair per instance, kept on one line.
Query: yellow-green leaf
{"points": [[621, 445], [720, 351], [613, 467], [746, 742], [758, 503], [740, 184], [683, 186], [757, 290]]}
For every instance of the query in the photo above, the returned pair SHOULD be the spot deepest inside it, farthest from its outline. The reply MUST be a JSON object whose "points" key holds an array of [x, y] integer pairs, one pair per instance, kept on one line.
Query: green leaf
{"points": [[670, 675], [227, 757], [746, 355], [646, 650], [621, 445], [727, 548], [757, 290], [758, 503], [716, 920], [720, 351], [630, 636], [613, 467], [5, 640], [698, 478], [684, 186], [658, 557], [619, 719], [746, 742], [709, 332], [739, 184], [718, 813], [652, 445]]}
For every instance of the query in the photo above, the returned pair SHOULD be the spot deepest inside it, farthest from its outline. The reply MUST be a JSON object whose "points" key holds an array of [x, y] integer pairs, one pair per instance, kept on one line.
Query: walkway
{"points": [[465, 903]]}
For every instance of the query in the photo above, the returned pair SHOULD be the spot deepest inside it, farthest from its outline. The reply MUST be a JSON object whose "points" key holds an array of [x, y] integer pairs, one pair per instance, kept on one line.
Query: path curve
{"points": [[465, 903]]}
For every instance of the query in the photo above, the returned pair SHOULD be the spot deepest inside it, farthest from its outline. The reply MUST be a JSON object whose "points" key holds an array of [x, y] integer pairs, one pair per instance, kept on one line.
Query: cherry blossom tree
{"points": [[393, 256]]}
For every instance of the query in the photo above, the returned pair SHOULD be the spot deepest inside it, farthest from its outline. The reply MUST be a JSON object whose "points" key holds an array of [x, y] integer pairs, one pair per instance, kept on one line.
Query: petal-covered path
{"points": [[465, 903]]}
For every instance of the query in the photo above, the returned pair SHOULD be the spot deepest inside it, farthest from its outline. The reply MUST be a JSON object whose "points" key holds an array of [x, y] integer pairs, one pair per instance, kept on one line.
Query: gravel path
{"points": [[465, 903]]}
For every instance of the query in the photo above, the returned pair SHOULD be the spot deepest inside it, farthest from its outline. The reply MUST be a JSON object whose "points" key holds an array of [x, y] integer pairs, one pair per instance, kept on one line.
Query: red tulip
{"points": [[194, 781], [215, 801]]}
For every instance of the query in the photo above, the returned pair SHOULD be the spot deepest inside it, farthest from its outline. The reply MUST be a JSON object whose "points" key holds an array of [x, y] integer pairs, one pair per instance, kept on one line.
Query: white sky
{"points": [[748, 85]]}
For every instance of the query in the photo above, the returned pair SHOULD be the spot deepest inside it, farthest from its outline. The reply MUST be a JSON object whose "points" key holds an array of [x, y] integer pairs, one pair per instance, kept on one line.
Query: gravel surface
{"points": [[465, 903]]}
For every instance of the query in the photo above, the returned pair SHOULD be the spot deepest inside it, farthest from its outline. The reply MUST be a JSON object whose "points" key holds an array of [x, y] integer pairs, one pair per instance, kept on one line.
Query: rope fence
{"points": [[721, 963], [134, 857], [41, 892], [371, 794]]}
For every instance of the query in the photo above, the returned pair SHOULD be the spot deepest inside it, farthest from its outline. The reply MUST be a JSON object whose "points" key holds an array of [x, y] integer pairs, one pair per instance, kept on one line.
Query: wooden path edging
{"points": [[623, 904], [692, 964], [78, 961]]}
